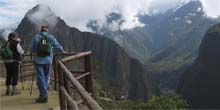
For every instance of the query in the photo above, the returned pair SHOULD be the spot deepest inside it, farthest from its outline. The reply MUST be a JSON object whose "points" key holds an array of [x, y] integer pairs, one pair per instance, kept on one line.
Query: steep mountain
{"points": [[117, 70], [176, 38], [200, 83], [178, 34], [136, 42], [167, 44]]}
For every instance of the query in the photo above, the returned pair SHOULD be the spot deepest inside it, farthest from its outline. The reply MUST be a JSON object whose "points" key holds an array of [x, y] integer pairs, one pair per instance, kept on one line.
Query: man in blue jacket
{"points": [[43, 63]]}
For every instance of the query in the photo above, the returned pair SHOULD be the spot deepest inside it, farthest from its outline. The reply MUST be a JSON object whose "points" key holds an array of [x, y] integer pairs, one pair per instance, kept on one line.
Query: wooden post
{"points": [[61, 84], [55, 72], [21, 76], [88, 78], [71, 103], [90, 102], [67, 87]]}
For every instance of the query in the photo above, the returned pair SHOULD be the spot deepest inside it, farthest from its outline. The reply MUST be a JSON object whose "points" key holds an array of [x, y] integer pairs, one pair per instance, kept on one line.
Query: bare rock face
{"points": [[117, 70], [200, 84]]}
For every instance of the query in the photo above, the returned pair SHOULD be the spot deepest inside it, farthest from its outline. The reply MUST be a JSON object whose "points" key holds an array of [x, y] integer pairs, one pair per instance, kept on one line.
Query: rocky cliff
{"points": [[200, 83]]}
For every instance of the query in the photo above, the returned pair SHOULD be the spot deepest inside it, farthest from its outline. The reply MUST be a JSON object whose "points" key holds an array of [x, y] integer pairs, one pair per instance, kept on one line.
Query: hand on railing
{"points": [[64, 52]]}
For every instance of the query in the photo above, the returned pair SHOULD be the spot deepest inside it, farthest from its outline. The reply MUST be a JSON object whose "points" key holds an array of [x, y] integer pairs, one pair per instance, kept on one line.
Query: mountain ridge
{"points": [[115, 67], [199, 84]]}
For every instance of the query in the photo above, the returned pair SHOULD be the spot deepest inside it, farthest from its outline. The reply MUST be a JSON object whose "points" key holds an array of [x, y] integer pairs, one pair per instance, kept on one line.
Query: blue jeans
{"points": [[43, 75]]}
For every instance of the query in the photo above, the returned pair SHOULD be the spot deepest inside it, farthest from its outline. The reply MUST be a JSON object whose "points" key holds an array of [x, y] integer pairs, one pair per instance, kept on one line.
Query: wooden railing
{"points": [[68, 81]]}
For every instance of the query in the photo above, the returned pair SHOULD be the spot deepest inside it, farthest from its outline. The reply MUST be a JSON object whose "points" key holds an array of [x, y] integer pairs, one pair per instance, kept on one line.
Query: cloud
{"points": [[211, 7], [5, 33], [43, 15], [12, 11], [77, 13]]}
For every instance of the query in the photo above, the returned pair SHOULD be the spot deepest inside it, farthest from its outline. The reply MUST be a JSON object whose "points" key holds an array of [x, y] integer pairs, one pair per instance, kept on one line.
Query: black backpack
{"points": [[44, 46], [6, 52]]}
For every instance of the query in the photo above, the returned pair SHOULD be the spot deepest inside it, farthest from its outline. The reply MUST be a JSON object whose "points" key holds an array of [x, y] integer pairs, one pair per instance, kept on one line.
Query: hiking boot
{"points": [[42, 100], [14, 91], [7, 90]]}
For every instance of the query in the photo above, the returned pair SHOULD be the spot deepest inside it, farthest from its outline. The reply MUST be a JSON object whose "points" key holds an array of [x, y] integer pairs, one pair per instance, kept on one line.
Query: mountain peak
{"points": [[191, 7], [39, 8], [42, 14]]}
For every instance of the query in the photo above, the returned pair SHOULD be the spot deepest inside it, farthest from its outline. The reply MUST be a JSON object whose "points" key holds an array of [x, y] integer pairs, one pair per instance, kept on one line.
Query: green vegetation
{"points": [[167, 102], [156, 102], [113, 104]]}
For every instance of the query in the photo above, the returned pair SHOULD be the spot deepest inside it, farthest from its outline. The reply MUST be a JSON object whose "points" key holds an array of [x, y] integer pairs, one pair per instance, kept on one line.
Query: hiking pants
{"points": [[12, 73], [43, 73]]}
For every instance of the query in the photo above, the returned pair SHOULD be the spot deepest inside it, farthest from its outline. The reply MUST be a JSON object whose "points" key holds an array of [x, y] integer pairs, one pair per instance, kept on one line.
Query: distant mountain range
{"points": [[115, 70], [136, 61], [167, 44]]}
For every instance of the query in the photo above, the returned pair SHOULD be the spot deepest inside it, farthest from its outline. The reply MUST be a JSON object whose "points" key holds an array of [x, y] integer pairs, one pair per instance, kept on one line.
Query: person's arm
{"points": [[19, 49], [56, 44]]}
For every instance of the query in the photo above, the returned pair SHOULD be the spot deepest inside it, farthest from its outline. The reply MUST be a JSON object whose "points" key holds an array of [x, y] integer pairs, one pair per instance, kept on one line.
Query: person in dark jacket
{"points": [[12, 64]]}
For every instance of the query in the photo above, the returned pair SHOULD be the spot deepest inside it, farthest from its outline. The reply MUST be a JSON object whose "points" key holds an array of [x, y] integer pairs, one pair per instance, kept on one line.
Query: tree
{"points": [[167, 102]]}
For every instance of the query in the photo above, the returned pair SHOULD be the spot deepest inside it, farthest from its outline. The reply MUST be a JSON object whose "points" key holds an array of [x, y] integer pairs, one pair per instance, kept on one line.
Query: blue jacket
{"points": [[47, 59]]}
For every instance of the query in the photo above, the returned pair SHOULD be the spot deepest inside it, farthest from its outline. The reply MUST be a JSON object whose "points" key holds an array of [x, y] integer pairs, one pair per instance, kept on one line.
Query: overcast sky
{"points": [[78, 12]]}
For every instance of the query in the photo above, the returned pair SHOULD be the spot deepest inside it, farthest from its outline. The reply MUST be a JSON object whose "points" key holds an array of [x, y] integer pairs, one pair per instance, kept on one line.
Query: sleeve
{"points": [[19, 49], [56, 44]]}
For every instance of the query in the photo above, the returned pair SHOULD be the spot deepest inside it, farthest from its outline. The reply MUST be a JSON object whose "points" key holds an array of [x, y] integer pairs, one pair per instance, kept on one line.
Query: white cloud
{"points": [[5, 33], [43, 16], [211, 7], [12, 11], [78, 12]]}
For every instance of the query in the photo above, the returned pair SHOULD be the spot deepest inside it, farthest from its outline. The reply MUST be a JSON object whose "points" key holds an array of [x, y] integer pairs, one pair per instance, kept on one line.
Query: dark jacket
{"points": [[16, 55]]}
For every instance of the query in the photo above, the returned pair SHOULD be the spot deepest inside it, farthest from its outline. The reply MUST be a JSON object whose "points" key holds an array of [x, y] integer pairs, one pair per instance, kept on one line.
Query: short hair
{"points": [[43, 28], [12, 35]]}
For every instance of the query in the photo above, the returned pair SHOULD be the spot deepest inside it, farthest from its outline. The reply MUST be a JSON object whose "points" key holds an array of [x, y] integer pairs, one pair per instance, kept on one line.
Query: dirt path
{"points": [[24, 101]]}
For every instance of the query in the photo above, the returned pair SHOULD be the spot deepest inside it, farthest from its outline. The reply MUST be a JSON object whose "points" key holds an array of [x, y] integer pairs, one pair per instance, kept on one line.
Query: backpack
{"points": [[43, 46], [6, 52]]}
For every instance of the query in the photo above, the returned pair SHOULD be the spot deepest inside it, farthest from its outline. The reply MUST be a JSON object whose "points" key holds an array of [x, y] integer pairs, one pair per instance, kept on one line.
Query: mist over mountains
{"points": [[136, 61], [114, 69], [167, 43]]}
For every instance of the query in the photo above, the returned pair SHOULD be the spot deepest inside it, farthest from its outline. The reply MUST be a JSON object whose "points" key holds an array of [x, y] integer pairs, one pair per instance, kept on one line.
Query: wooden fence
{"points": [[67, 81]]}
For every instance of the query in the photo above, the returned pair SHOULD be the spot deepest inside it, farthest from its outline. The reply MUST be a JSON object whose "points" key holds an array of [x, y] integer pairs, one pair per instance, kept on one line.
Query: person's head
{"points": [[44, 28], [12, 36]]}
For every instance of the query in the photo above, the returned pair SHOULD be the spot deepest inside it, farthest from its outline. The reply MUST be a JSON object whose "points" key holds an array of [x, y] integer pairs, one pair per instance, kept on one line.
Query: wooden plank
{"points": [[55, 72], [65, 54], [83, 75], [27, 62], [61, 83], [69, 100], [27, 65], [73, 57], [78, 71], [67, 88], [88, 79], [83, 93]]}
